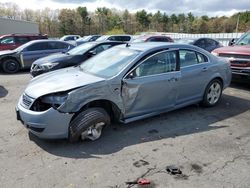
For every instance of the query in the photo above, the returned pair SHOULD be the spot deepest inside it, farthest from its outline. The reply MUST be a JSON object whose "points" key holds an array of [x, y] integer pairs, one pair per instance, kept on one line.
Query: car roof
{"points": [[104, 42], [157, 36], [151, 45], [47, 40], [70, 35], [23, 35]]}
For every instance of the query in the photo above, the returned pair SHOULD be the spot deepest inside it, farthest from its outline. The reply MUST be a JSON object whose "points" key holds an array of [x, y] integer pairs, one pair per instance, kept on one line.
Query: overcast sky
{"points": [[207, 7]]}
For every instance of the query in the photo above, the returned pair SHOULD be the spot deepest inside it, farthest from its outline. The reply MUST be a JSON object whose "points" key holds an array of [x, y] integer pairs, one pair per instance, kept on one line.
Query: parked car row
{"points": [[120, 85], [22, 57]]}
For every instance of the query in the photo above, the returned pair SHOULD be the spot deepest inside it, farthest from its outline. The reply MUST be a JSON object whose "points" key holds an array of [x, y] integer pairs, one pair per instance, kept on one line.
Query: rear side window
{"points": [[38, 46], [189, 57], [201, 58], [22, 40]]}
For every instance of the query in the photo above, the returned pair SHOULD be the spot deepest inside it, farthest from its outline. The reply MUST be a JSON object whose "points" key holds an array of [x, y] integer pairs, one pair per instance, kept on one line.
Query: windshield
{"points": [[79, 50], [86, 38], [102, 38], [109, 62], [244, 40], [139, 40]]}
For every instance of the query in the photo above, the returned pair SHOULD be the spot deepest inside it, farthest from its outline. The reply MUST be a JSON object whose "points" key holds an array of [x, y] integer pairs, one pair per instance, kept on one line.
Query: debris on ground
{"points": [[140, 181], [173, 170]]}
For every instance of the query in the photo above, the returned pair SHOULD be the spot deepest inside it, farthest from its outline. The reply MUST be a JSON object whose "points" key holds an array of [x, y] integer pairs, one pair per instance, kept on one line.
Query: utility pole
{"points": [[237, 25]]}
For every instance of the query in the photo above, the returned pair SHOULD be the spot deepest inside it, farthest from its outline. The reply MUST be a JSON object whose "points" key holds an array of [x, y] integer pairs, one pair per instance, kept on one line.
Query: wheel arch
{"points": [[110, 107], [2, 59]]}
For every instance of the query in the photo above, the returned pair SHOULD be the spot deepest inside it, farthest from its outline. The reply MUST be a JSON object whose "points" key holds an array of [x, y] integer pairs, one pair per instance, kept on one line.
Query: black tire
{"points": [[86, 119], [207, 99], [11, 66]]}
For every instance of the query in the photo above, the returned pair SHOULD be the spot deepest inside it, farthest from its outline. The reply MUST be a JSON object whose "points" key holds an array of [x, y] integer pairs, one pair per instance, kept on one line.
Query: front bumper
{"points": [[49, 124], [35, 73]]}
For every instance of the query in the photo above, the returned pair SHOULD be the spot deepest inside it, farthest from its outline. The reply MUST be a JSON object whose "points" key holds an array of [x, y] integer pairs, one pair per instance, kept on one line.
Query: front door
{"points": [[152, 86]]}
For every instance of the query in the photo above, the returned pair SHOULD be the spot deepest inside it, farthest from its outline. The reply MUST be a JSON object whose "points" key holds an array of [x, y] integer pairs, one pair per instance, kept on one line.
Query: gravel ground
{"points": [[211, 146]]}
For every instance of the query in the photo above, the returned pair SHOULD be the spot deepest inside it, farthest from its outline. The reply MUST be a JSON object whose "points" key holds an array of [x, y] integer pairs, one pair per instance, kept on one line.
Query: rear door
{"points": [[153, 86], [195, 73]]}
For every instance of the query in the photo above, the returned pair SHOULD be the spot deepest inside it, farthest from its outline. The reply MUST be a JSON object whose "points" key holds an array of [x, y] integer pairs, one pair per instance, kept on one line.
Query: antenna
{"points": [[128, 45]]}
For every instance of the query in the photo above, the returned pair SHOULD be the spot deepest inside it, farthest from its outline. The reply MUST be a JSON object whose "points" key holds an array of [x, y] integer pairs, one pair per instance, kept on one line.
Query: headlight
{"points": [[215, 54], [57, 98], [48, 66], [52, 100]]}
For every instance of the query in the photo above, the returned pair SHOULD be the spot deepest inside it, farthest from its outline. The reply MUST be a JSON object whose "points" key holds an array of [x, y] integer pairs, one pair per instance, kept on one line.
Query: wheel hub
{"points": [[214, 93], [93, 132]]}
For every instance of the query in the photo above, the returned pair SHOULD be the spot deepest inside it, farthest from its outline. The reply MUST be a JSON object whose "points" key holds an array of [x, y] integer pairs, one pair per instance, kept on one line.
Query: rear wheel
{"points": [[11, 66], [213, 93], [88, 125]]}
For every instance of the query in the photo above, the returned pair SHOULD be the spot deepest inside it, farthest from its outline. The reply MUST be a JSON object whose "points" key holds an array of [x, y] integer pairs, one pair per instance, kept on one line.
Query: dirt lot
{"points": [[210, 145]]}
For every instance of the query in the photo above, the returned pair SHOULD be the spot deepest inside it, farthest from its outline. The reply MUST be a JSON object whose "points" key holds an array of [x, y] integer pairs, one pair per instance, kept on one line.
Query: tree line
{"points": [[58, 22]]}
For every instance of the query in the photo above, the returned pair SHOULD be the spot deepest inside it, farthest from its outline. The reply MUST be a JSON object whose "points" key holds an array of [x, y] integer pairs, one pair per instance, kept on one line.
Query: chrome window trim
{"points": [[174, 49], [155, 74]]}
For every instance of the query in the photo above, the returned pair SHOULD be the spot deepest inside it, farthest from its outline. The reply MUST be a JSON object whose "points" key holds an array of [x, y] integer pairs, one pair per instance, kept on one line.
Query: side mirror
{"points": [[131, 75], [91, 53], [231, 42]]}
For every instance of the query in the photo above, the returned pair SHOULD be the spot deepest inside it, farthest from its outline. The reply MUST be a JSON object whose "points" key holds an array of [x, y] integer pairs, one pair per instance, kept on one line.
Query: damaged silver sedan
{"points": [[123, 84]]}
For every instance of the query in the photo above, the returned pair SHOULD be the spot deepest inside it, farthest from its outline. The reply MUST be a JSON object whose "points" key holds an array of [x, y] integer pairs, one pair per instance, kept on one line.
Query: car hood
{"points": [[60, 80], [245, 50], [54, 58], [7, 52]]}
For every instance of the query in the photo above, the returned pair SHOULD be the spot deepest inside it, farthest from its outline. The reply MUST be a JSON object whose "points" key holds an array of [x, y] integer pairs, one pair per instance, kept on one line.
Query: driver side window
{"points": [[162, 62]]}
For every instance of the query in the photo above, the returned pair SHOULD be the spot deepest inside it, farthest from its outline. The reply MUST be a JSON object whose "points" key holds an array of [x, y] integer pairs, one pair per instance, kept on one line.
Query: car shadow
{"points": [[3, 91], [190, 120], [240, 85], [25, 71]]}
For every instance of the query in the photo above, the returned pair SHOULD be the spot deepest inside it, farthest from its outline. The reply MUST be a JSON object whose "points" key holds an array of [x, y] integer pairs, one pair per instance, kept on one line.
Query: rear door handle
{"points": [[204, 69], [173, 79]]}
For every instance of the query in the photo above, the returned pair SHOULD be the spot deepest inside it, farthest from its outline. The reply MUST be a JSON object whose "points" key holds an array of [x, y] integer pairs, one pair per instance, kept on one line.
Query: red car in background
{"points": [[153, 38], [238, 53], [12, 41]]}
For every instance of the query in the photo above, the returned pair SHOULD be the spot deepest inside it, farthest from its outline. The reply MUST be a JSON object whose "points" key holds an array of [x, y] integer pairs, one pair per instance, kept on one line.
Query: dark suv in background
{"points": [[153, 38], [12, 41], [207, 44]]}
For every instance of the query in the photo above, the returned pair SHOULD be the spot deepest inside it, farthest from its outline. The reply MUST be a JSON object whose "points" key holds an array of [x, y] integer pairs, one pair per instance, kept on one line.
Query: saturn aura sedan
{"points": [[125, 83]]}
